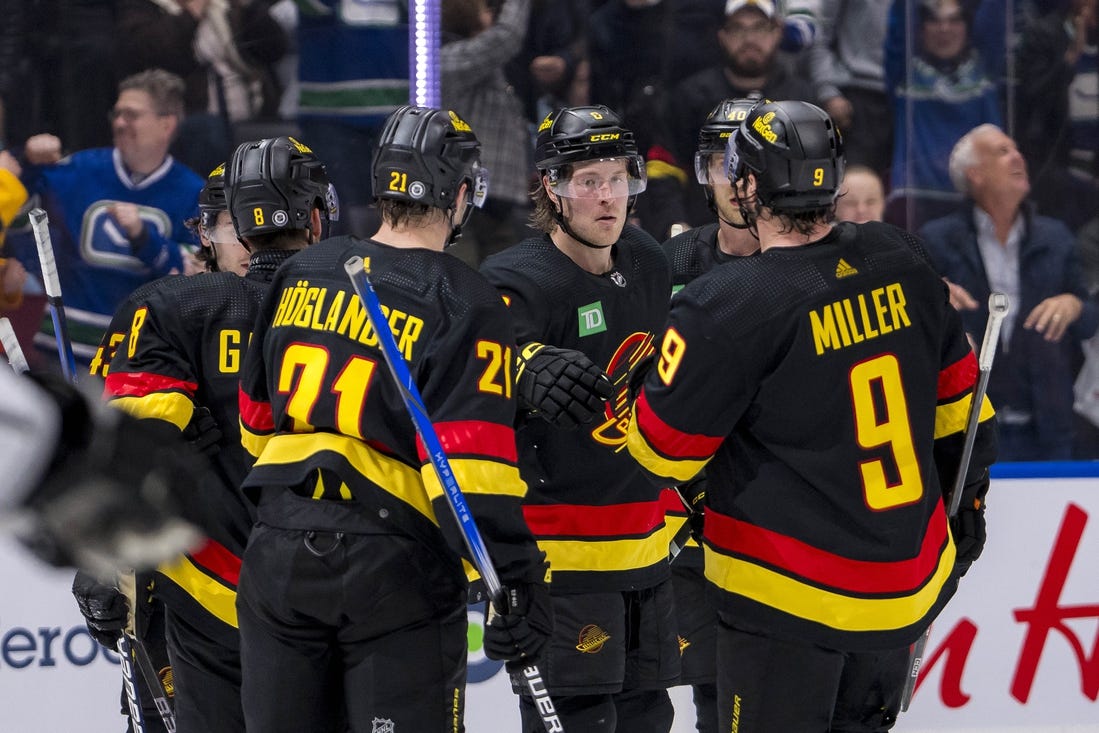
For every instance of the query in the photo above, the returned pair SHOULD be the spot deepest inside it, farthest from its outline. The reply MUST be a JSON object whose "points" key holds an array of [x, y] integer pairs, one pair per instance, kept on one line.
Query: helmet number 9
{"points": [[257, 214], [398, 181], [818, 176]]}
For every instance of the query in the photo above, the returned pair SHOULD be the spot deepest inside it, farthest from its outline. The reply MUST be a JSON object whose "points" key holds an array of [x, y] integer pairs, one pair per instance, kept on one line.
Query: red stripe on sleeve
{"points": [[824, 568], [567, 520], [216, 558], [139, 384], [474, 438], [669, 441], [958, 377], [256, 415]]}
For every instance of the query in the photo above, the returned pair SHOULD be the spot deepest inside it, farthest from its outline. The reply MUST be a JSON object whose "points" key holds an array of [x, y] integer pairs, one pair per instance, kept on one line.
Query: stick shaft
{"points": [[410, 393], [40, 224]]}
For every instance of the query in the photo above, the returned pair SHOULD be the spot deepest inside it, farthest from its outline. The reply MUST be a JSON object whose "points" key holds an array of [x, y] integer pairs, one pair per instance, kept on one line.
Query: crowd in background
{"points": [[905, 81]]}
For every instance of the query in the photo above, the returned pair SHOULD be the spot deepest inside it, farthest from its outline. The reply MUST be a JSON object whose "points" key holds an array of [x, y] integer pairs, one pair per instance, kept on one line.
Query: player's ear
{"points": [[315, 226]]}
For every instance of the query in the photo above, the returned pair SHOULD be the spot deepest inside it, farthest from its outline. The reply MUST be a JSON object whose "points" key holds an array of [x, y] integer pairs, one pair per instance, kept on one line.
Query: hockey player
{"points": [[824, 384], [691, 254], [220, 250], [352, 593], [587, 297], [177, 349]]}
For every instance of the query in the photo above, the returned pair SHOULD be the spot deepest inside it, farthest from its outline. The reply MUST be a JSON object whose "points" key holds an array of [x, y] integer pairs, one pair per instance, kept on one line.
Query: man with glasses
{"points": [[116, 214], [587, 297], [750, 40]]}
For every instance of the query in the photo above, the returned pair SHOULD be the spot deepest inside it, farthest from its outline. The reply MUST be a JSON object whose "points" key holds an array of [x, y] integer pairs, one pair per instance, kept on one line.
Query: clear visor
{"points": [[222, 233], [332, 202], [591, 183], [480, 185], [710, 168]]}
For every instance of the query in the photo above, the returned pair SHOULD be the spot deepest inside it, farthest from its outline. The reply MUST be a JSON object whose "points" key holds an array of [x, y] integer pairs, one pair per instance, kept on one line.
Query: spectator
{"points": [[846, 63], [551, 64], [943, 88], [353, 72], [223, 50], [862, 196], [473, 85], [998, 243], [1057, 110], [750, 40], [116, 214]]}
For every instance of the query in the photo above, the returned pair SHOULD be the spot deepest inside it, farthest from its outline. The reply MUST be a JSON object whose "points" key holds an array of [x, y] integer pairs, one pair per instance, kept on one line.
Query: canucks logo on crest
{"points": [[104, 243]]}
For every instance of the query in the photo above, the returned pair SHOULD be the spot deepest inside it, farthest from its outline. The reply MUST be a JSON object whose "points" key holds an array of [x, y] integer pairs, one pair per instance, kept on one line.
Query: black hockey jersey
{"points": [[317, 401], [176, 343], [829, 384], [595, 513], [692, 253]]}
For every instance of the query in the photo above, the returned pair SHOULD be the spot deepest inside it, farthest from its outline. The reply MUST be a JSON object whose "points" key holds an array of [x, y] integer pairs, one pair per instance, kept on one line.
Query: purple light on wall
{"points": [[423, 51]]}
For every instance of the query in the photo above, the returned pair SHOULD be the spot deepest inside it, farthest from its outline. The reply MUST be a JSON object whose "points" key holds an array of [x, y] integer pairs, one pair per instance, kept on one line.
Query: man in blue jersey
{"points": [[116, 214]]}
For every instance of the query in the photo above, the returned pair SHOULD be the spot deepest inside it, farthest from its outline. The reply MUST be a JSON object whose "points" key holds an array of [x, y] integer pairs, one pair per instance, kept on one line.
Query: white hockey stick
{"points": [[12, 348], [410, 393], [998, 306], [40, 223]]}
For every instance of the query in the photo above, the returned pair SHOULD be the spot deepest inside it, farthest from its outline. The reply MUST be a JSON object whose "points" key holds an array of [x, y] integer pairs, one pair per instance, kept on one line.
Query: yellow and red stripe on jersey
{"points": [[955, 395], [663, 450], [209, 576], [146, 395], [813, 584], [257, 423], [614, 537]]}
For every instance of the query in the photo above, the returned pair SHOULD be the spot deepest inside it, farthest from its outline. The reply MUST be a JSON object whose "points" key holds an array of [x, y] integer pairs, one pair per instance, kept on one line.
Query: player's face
{"points": [[231, 254], [861, 198], [595, 199], [139, 131], [724, 201]]}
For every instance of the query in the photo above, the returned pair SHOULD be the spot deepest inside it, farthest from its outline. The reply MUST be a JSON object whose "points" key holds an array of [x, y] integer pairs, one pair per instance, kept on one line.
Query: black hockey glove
{"points": [[968, 528], [111, 496], [203, 432], [968, 525], [561, 385], [521, 633], [104, 607]]}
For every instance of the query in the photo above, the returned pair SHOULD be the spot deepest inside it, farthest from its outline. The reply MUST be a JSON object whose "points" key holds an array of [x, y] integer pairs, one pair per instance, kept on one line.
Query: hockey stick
{"points": [[40, 223], [12, 348], [998, 306], [128, 586], [532, 676], [129, 683]]}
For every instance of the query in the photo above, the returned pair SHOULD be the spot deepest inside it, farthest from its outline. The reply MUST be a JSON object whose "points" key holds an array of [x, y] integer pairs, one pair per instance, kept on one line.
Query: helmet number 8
{"points": [[257, 214]]}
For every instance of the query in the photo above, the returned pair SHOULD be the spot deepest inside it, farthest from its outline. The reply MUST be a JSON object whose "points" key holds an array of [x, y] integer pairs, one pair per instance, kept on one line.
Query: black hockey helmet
{"points": [[211, 199], [574, 135], [424, 155], [273, 185], [795, 152], [713, 136]]}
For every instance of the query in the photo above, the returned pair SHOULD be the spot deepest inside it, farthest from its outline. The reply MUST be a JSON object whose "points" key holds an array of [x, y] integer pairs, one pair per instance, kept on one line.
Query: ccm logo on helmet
{"points": [[604, 137]]}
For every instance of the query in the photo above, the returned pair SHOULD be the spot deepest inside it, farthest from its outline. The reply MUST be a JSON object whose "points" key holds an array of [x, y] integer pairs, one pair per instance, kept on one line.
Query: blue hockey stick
{"points": [[532, 676]]}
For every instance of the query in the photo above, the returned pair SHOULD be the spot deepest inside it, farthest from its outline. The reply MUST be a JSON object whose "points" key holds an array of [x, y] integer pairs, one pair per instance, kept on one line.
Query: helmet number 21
{"points": [[398, 181]]}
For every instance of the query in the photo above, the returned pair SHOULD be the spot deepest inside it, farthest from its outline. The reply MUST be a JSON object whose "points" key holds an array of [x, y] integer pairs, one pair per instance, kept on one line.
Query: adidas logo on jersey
{"points": [[844, 270]]}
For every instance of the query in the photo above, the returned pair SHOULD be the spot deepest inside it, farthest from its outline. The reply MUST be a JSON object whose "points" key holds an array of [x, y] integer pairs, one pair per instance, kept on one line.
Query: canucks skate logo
{"points": [[616, 414], [382, 725], [104, 243], [591, 640]]}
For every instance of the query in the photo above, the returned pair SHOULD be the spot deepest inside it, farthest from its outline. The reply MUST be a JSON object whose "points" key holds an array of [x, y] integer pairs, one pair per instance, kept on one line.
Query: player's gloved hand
{"points": [[562, 385], [521, 632], [104, 607], [968, 528], [203, 432], [111, 496]]}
